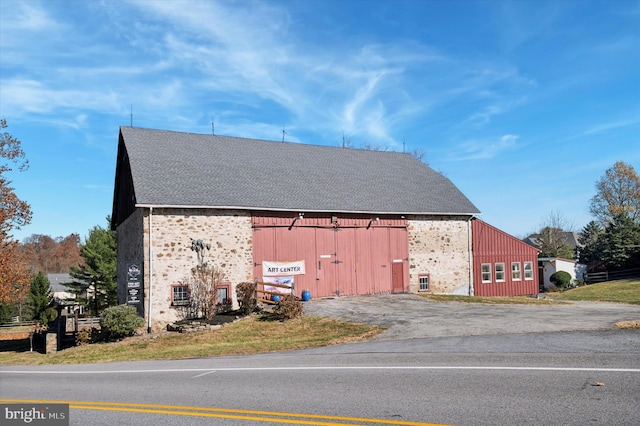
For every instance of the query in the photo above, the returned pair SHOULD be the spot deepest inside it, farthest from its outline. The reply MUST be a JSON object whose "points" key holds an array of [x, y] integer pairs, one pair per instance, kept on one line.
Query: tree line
{"points": [[609, 242], [24, 287]]}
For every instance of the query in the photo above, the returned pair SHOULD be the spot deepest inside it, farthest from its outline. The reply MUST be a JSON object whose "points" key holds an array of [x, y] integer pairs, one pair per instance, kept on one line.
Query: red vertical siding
{"points": [[346, 261], [491, 246], [400, 251], [344, 254]]}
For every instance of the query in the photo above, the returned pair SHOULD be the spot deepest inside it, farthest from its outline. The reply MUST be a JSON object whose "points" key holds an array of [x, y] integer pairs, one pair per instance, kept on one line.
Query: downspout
{"points": [[150, 269], [469, 237]]}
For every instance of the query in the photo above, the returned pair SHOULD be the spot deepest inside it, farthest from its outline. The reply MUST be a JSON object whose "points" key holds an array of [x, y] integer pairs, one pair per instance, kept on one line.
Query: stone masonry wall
{"points": [[439, 246], [228, 232]]}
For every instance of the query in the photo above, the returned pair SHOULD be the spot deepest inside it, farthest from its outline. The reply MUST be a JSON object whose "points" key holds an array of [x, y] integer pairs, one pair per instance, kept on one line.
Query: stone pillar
{"points": [[51, 343]]}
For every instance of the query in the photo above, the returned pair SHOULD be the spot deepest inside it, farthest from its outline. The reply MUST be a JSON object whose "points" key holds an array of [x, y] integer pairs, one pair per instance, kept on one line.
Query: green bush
{"points": [[288, 307], [120, 321], [246, 293], [561, 279]]}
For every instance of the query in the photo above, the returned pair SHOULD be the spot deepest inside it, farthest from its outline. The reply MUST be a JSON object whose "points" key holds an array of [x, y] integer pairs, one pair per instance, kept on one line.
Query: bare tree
{"points": [[205, 282], [552, 237]]}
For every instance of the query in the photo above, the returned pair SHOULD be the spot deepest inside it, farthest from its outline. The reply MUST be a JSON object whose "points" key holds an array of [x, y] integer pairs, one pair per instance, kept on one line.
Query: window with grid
{"points": [[222, 294], [486, 272], [424, 282], [528, 270], [515, 271], [179, 295], [500, 272]]}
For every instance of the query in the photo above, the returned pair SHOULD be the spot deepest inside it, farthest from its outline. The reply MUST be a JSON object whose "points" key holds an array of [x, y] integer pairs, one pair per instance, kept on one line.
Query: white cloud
{"points": [[487, 148], [612, 125]]}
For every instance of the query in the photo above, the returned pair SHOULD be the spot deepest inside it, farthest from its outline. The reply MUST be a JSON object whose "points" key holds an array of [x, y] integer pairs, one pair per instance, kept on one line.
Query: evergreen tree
{"points": [[590, 253], [40, 298], [620, 244], [98, 276]]}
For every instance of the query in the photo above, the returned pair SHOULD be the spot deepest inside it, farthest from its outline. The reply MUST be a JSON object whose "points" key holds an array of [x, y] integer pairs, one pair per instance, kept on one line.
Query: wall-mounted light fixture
{"points": [[377, 219], [295, 219]]}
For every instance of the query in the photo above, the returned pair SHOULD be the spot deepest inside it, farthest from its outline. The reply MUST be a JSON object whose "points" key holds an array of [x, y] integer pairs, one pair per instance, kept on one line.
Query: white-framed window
{"points": [[486, 272], [515, 271], [500, 272], [179, 294], [528, 271], [424, 282]]}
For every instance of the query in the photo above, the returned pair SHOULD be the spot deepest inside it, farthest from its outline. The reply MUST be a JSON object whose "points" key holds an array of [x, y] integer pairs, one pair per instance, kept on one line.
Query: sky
{"points": [[523, 105]]}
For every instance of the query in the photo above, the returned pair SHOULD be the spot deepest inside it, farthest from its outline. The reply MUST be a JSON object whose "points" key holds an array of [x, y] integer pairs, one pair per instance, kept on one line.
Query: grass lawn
{"points": [[621, 291], [251, 335]]}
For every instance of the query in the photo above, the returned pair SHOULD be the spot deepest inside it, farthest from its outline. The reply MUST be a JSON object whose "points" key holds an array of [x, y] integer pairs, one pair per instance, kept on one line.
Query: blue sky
{"points": [[522, 104]]}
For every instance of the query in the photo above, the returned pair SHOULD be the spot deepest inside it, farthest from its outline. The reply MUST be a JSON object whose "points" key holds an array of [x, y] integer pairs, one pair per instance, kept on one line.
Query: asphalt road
{"points": [[568, 378]]}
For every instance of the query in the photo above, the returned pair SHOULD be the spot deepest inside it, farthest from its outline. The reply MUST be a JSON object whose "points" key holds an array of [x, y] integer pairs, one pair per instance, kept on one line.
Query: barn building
{"points": [[331, 220], [502, 264]]}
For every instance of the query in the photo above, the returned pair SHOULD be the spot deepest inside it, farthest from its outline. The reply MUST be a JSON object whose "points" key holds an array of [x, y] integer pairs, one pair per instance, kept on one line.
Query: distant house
{"points": [[571, 238], [60, 291], [503, 265], [550, 265]]}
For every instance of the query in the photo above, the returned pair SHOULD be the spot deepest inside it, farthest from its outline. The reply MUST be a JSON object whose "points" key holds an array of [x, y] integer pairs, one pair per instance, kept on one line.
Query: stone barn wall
{"points": [[440, 247]]}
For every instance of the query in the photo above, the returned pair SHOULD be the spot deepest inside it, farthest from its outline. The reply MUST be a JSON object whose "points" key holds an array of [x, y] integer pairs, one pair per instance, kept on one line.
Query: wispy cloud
{"points": [[485, 149], [613, 125]]}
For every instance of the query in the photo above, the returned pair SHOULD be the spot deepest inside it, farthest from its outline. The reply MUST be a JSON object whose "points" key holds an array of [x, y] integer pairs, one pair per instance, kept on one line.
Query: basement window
{"points": [[528, 271], [424, 282], [515, 271], [223, 293], [486, 272], [500, 272], [179, 294]]}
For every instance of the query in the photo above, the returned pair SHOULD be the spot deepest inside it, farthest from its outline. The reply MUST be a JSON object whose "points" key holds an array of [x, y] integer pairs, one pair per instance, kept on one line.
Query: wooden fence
{"points": [[598, 277], [266, 294]]}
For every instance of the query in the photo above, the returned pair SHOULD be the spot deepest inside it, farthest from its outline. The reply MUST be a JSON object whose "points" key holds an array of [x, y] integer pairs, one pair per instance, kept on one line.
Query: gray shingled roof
{"points": [[185, 169]]}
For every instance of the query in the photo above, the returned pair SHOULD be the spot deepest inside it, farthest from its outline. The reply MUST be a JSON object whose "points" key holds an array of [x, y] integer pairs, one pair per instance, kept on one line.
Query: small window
{"points": [[179, 295], [515, 271], [486, 272], [223, 293], [424, 282], [500, 272], [528, 270]]}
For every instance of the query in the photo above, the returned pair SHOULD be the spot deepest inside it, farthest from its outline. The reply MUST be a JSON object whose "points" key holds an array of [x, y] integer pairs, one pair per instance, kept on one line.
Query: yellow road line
{"points": [[254, 415]]}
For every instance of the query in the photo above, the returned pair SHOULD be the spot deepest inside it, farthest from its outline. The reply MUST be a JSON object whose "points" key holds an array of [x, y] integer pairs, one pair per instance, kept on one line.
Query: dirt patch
{"points": [[628, 325], [15, 335]]}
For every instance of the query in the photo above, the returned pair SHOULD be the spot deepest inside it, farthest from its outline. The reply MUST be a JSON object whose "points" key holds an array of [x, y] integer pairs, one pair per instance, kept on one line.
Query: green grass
{"points": [[252, 335], [620, 291]]}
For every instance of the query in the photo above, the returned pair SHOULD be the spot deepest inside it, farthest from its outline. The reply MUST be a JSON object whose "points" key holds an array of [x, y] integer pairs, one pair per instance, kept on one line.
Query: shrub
{"points": [[561, 279], [246, 293], [120, 321], [289, 307], [87, 336], [205, 282], [579, 282]]}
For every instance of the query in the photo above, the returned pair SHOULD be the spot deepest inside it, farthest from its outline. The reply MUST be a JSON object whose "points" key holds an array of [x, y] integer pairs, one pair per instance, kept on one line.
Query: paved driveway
{"points": [[411, 316]]}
